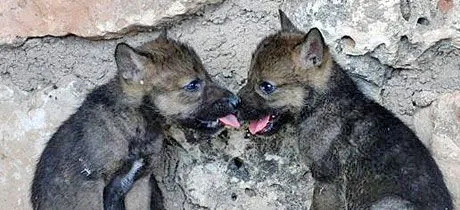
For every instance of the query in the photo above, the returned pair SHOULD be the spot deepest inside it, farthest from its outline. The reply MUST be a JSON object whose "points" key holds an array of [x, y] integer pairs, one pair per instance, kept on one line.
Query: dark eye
{"points": [[193, 86], [267, 87]]}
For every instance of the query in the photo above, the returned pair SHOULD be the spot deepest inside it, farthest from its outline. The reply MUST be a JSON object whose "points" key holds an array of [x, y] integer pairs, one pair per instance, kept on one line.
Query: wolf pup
{"points": [[117, 134], [360, 155]]}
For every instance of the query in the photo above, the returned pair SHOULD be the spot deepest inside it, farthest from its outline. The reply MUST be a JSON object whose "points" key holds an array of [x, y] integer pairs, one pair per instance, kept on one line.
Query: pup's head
{"points": [[170, 76], [288, 69]]}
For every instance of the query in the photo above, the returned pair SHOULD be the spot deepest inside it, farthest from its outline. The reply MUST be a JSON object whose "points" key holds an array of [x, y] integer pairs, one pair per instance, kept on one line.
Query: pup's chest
{"points": [[317, 135], [147, 143]]}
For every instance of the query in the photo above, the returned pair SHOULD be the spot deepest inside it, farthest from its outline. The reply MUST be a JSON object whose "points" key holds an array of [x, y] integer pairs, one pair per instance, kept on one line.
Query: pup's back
{"points": [[72, 170]]}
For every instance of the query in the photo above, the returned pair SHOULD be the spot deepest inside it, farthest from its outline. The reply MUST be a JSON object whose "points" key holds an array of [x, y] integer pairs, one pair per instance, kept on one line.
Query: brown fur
{"points": [[116, 136], [169, 68], [360, 155], [278, 60]]}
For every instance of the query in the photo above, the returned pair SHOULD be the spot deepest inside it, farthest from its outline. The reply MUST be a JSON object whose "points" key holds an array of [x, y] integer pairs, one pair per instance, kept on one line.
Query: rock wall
{"points": [[101, 19], [403, 53]]}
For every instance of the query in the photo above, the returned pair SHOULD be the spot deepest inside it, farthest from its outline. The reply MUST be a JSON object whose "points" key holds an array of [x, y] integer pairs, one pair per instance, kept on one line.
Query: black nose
{"points": [[233, 100]]}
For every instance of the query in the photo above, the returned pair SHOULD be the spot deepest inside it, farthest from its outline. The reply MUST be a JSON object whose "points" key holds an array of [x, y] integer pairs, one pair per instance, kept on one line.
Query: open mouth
{"points": [[262, 125], [228, 120]]}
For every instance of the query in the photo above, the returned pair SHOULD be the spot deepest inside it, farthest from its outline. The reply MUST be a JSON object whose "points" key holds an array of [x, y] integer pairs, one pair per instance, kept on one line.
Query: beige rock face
{"points": [[86, 18], [446, 141], [19, 150], [381, 25]]}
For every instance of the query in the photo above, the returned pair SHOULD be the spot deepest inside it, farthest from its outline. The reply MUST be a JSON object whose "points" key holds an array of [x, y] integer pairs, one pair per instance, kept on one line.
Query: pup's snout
{"points": [[233, 101]]}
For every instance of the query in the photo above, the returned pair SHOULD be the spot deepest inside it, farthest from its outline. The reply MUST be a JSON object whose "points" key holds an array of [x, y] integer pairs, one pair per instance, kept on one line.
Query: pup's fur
{"points": [[359, 153], [116, 136]]}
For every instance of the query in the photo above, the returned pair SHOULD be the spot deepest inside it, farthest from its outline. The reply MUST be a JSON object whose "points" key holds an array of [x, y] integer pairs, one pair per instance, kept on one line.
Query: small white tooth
{"points": [[211, 124]]}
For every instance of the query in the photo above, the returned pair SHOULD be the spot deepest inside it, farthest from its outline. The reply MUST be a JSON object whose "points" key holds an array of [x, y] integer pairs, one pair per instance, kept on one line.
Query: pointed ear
{"points": [[286, 24], [312, 50], [130, 62]]}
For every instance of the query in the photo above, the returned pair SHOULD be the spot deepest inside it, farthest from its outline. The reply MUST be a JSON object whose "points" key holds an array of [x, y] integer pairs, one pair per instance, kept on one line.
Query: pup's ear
{"points": [[312, 50], [130, 63], [286, 24]]}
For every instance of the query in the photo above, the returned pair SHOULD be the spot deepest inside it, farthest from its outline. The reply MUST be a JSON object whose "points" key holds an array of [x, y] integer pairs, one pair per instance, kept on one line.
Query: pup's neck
{"points": [[341, 94]]}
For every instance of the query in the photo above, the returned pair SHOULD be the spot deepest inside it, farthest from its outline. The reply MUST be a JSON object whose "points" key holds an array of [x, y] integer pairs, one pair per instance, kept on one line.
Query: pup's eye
{"points": [[267, 87], [193, 86]]}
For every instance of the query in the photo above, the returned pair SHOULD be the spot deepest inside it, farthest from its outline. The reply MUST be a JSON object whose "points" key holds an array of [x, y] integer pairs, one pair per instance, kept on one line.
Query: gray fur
{"points": [[116, 136], [360, 155]]}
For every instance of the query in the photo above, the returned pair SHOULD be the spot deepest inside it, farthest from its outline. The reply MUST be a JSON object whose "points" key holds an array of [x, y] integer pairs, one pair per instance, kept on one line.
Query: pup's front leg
{"points": [[156, 197], [115, 192]]}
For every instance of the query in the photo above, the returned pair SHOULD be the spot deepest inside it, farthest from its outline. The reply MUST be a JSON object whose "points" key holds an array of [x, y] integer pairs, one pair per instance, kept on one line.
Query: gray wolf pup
{"points": [[116, 136], [360, 155]]}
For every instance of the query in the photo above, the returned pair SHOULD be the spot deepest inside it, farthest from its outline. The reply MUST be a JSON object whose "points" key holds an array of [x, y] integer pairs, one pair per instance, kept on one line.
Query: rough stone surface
{"points": [[446, 140], [404, 54], [20, 19]]}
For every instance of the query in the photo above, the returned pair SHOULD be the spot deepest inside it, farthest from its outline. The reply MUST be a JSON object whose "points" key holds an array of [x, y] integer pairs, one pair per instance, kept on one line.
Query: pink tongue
{"points": [[258, 125], [230, 120]]}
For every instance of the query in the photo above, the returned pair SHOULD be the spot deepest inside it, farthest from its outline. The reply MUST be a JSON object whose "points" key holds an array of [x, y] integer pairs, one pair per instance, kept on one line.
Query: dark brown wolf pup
{"points": [[360, 155], [116, 136]]}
